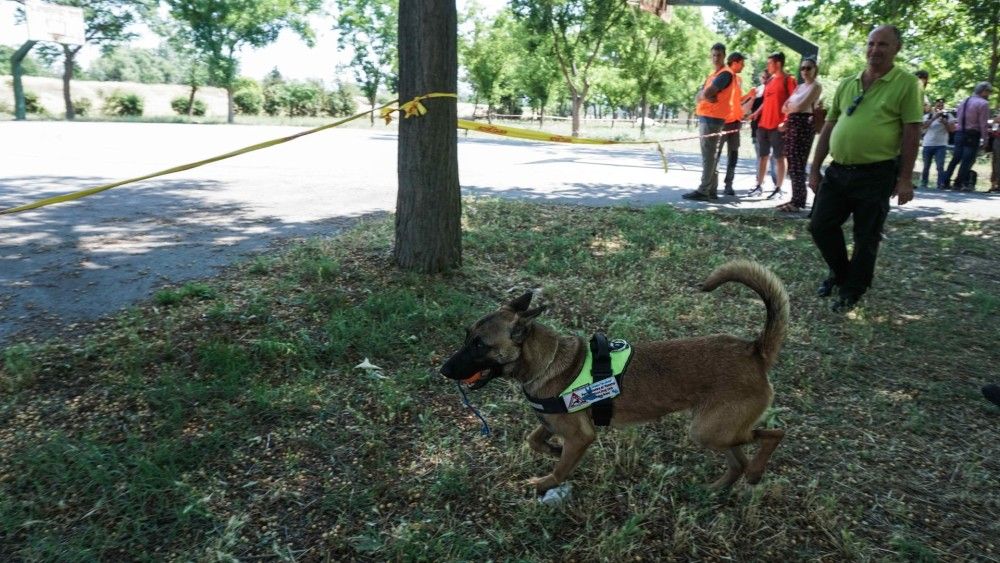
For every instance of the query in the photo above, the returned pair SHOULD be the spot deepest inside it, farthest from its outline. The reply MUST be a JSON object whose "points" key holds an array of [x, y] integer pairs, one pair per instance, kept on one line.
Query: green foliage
{"points": [[32, 104], [181, 104], [248, 97], [19, 367], [148, 66], [82, 106], [194, 290], [123, 104], [340, 102], [368, 28], [31, 65], [938, 36], [217, 30]]}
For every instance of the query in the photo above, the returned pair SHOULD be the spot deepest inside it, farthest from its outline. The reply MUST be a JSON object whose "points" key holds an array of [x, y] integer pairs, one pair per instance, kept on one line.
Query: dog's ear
{"points": [[521, 304], [522, 328]]}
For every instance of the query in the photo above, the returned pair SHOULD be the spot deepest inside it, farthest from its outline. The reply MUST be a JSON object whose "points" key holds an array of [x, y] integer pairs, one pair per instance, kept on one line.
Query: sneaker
{"points": [[776, 192], [992, 393], [729, 191], [697, 196], [756, 191], [844, 303], [826, 288]]}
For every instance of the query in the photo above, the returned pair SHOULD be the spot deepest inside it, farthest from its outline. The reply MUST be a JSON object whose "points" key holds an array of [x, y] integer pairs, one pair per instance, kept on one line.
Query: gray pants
{"points": [[709, 154]]}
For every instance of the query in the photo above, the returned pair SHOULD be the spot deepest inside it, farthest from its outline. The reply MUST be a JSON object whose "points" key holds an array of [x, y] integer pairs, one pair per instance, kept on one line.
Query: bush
{"points": [[31, 103], [82, 107], [248, 101], [122, 105], [180, 105], [275, 99], [304, 99], [340, 102]]}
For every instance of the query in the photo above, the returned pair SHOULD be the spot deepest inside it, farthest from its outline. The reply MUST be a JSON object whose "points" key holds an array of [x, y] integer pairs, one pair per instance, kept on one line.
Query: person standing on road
{"points": [[973, 114], [937, 126], [770, 134], [731, 139], [713, 108], [873, 133], [799, 131]]}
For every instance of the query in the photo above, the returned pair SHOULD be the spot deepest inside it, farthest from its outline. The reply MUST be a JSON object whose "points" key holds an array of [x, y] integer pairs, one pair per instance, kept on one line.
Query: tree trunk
{"points": [[428, 203], [68, 56], [230, 110], [371, 116], [642, 116], [194, 88], [577, 106]]}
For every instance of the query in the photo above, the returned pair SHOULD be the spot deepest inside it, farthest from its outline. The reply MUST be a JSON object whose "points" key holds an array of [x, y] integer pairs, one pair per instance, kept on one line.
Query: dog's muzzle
{"points": [[463, 367]]}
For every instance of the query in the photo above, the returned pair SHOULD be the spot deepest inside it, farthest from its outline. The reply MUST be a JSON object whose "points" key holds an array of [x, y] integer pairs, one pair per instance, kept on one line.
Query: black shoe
{"points": [[992, 393], [755, 192], [826, 288], [844, 303], [777, 191], [697, 196], [729, 191]]}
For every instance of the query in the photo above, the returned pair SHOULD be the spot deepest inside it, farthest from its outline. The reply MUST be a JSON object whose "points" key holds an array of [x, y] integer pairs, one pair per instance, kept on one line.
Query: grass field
{"points": [[225, 420]]}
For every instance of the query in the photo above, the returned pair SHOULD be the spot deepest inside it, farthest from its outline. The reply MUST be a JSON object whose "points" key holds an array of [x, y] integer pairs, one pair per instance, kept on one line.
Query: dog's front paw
{"points": [[542, 484]]}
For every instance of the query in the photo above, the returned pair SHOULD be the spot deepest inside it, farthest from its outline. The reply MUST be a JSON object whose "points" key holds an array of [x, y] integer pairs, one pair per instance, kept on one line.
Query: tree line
{"points": [[551, 56]]}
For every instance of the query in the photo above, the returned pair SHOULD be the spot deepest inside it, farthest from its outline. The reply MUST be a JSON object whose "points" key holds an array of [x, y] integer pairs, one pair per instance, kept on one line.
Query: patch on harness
{"points": [[583, 397]]}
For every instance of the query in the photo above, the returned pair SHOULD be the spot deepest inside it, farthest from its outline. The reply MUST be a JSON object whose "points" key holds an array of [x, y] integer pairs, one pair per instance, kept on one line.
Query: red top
{"points": [[775, 94]]}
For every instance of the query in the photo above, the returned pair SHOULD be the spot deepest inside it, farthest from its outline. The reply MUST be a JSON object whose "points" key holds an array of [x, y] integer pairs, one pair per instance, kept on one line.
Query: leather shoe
{"points": [[729, 191], [826, 288], [844, 303], [697, 196]]}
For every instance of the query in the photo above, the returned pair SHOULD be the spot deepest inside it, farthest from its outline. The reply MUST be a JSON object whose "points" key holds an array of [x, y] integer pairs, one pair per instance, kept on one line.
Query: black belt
{"points": [[867, 166]]}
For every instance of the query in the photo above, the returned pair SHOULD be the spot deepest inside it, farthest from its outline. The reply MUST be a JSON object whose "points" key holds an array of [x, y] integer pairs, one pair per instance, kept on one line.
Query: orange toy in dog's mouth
{"points": [[473, 378]]}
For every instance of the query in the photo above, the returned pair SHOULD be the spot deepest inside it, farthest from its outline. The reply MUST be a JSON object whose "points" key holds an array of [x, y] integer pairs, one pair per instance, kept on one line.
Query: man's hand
{"points": [[904, 190], [814, 179]]}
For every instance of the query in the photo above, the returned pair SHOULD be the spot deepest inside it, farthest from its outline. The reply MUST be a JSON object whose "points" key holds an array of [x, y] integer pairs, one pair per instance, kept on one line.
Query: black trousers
{"points": [[862, 192], [732, 141]]}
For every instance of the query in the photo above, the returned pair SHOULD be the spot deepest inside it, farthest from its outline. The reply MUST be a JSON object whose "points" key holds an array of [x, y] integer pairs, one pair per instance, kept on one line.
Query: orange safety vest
{"points": [[719, 109], [736, 114]]}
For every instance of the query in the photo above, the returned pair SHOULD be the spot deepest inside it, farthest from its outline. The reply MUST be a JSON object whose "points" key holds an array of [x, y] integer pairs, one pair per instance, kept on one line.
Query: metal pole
{"points": [[15, 68]]}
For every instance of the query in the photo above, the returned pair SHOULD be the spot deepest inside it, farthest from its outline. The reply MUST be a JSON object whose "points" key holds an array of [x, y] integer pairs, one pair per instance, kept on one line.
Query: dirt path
{"points": [[79, 261]]}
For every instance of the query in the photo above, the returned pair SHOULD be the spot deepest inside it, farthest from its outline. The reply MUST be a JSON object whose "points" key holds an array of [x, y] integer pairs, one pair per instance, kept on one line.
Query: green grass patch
{"points": [[226, 420]]}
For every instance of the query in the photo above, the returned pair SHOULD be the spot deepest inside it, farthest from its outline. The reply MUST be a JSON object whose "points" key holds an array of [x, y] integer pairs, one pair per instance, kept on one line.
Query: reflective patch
{"points": [[587, 395]]}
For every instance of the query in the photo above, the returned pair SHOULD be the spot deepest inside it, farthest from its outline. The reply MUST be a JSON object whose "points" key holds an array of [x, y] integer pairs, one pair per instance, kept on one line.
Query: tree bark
{"points": [[230, 109], [68, 56], [428, 204], [194, 88]]}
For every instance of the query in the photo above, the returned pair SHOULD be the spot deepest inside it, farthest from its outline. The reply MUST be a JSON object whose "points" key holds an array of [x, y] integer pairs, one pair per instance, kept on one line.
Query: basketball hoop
{"points": [[51, 22]]}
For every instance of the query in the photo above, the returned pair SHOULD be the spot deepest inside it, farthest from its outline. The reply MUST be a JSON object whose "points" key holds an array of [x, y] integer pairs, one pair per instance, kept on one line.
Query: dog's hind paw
{"points": [[542, 484]]}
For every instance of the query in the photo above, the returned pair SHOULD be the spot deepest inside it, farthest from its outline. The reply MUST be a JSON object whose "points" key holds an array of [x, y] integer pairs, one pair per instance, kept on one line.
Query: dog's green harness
{"points": [[597, 384]]}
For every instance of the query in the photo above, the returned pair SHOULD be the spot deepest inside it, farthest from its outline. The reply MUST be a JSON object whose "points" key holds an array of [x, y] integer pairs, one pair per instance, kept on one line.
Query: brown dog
{"points": [[720, 379]]}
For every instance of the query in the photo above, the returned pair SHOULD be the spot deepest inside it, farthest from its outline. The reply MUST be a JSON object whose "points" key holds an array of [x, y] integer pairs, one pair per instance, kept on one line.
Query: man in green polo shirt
{"points": [[873, 133]]}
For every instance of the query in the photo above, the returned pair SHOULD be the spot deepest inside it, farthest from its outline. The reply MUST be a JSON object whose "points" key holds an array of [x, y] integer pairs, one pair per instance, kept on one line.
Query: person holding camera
{"points": [[937, 125], [973, 114]]}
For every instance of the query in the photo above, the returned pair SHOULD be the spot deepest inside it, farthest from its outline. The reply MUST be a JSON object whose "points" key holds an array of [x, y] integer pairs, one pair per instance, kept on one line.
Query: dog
{"points": [[722, 380]]}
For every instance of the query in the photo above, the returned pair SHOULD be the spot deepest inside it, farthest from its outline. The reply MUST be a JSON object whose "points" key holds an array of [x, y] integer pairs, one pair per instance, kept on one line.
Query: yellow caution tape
{"points": [[91, 191], [409, 109]]}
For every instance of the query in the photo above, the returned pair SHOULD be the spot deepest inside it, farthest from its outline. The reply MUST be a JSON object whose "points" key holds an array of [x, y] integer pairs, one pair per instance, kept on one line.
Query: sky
{"points": [[289, 54]]}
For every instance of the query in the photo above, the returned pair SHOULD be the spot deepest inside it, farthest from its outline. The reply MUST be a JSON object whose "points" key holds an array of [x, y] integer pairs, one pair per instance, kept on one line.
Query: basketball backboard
{"points": [[51, 22]]}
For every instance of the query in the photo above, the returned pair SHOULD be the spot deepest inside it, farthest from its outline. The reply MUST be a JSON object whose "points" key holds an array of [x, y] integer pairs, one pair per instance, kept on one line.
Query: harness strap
{"points": [[601, 411]]}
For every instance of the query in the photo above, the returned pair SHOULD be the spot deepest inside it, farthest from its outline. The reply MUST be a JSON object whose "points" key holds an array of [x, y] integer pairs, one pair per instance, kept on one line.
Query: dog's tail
{"points": [[771, 290]]}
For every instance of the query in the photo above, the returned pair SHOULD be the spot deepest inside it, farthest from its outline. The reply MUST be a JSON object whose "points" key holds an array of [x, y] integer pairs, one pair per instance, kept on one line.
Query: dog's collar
{"points": [[598, 382]]}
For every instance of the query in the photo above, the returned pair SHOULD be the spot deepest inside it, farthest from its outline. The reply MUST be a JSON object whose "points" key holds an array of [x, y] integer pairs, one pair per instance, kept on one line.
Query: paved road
{"points": [[81, 260]]}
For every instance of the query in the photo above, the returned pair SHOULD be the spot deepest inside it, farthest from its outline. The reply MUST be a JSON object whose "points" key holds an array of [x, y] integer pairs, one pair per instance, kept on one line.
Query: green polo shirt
{"points": [[874, 131]]}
